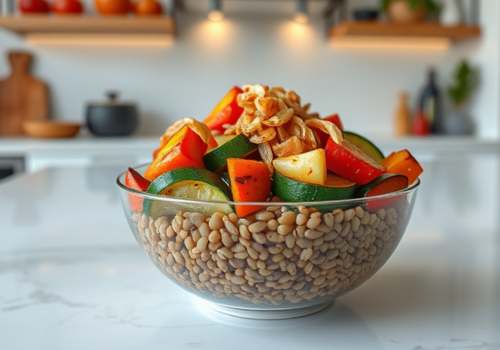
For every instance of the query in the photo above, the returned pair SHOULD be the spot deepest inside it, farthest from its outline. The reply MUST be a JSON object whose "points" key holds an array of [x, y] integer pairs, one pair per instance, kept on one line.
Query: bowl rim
{"points": [[410, 189]]}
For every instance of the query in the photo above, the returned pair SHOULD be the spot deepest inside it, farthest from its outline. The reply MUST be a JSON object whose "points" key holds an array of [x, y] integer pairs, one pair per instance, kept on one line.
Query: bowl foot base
{"points": [[268, 314]]}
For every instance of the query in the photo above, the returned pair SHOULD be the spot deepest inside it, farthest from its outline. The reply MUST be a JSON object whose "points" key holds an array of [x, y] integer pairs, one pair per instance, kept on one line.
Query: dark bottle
{"points": [[429, 103]]}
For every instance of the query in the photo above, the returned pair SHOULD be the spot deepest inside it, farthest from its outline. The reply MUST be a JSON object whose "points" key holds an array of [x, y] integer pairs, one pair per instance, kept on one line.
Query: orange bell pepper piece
{"points": [[250, 182], [185, 149], [226, 111], [402, 162], [200, 128], [135, 181]]}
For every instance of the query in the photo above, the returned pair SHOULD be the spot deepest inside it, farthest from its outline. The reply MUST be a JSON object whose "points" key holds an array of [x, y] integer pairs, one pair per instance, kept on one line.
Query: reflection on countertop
{"points": [[68, 258]]}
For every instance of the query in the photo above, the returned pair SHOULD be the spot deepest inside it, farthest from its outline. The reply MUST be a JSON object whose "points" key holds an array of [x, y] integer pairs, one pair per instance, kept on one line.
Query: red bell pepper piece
{"points": [[135, 181], [351, 163], [185, 149], [226, 111], [250, 182], [402, 162]]}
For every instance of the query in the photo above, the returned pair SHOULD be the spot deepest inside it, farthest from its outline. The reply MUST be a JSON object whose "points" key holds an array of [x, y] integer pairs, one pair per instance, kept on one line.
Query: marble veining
{"points": [[72, 276]]}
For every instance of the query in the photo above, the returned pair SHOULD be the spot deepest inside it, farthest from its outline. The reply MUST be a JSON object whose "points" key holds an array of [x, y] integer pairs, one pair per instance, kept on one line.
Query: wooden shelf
{"points": [[423, 33], [91, 29], [429, 30]]}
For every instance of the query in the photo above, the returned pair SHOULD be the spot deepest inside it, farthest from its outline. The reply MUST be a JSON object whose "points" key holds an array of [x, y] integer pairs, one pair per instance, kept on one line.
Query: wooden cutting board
{"points": [[22, 96]]}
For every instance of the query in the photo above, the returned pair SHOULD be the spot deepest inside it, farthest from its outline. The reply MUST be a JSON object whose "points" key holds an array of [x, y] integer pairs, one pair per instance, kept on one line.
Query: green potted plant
{"points": [[460, 91], [410, 11]]}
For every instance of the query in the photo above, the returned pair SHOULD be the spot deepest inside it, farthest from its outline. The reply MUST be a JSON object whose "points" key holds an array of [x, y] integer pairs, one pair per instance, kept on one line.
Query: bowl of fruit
{"points": [[266, 210]]}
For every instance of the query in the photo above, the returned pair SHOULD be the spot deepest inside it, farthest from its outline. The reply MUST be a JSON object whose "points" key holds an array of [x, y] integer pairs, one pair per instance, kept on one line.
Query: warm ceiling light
{"points": [[215, 13], [301, 13]]}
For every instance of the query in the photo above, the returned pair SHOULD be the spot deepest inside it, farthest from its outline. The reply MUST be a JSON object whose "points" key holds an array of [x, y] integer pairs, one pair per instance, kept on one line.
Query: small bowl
{"points": [[50, 129], [287, 260]]}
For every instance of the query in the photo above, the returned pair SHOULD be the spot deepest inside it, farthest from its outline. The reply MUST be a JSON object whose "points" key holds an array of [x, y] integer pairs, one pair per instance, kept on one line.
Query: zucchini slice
{"points": [[335, 188], [365, 145], [222, 139], [384, 184], [237, 147], [187, 183]]}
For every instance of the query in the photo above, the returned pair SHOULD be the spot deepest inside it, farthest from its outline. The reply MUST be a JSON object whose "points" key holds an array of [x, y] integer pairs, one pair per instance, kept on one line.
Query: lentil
{"points": [[275, 256]]}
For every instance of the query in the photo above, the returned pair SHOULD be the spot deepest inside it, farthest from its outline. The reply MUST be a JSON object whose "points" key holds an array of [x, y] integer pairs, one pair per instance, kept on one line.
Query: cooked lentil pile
{"points": [[276, 256]]}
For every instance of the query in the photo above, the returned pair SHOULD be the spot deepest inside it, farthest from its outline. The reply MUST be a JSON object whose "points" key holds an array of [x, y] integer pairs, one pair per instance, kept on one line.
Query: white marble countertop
{"points": [[72, 276]]}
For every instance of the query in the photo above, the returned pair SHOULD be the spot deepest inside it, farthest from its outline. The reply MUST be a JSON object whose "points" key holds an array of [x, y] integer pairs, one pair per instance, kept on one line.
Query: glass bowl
{"points": [[286, 260]]}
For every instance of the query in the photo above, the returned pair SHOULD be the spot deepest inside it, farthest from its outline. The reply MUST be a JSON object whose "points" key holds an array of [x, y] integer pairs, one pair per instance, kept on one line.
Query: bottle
{"points": [[420, 126], [402, 116], [429, 102]]}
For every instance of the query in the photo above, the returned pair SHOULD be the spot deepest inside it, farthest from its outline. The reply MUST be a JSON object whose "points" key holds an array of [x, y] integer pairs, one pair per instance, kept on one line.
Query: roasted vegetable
{"points": [[309, 167], [225, 112], [250, 182], [184, 150], [402, 162], [135, 181], [350, 162]]}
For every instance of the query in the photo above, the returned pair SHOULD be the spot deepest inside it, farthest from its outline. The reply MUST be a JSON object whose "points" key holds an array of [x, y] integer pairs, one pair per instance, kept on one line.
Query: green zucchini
{"points": [[290, 190], [386, 183], [237, 147], [187, 183], [365, 145], [225, 178], [222, 139]]}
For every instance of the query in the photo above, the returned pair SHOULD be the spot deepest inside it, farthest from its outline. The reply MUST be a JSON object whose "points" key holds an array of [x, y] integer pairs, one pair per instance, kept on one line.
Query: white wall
{"points": [[187, 78]]}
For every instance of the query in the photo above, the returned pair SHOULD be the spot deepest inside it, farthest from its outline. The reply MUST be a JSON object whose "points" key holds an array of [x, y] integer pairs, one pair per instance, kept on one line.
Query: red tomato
{"points": [[34, 6], [112, 7], [148, 8], [63, 7]]}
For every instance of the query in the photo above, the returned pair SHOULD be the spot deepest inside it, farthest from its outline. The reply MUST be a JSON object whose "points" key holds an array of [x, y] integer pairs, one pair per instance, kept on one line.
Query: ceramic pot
{"points": [[112, 117], [458, 122], [400, 11], [452, 12]]}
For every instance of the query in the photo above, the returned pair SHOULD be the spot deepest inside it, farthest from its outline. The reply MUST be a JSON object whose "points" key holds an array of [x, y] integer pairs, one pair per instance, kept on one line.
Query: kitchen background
{"points": [[259, 42]]}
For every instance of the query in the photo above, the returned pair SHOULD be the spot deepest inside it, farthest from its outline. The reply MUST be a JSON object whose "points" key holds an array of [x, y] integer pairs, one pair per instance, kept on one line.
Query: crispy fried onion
{"points": [[289, 147], [266, 153], [199, 128], [280, 118], [276, 120], [326, 127], [264, 136]]}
